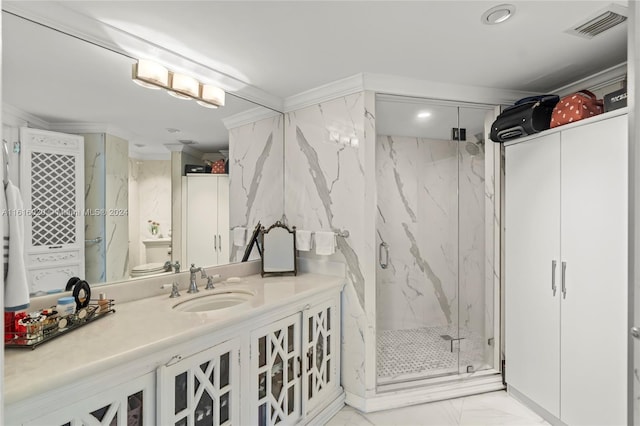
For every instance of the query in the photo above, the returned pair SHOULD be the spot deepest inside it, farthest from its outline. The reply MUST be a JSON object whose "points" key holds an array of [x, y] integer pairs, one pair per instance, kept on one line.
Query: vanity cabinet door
{"points": [[129, 404], [201, 389], [320, 348], [276, 372]]}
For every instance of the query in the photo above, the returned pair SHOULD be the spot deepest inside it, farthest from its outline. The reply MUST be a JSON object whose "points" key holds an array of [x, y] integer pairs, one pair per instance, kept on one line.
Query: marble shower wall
{"points": [[330, 186], [117, 202], [149, 199], [106, 192], [94, 184], [418, 213], [325, 178], [256, 179]]}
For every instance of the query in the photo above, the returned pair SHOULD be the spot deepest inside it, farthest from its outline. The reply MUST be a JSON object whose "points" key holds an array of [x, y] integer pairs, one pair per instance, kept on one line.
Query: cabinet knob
{"points": [[635, 332]]}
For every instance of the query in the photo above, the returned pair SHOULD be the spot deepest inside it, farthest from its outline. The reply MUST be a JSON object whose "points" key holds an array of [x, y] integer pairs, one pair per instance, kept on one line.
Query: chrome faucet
{"points": [[193, 287], [168, 265]]}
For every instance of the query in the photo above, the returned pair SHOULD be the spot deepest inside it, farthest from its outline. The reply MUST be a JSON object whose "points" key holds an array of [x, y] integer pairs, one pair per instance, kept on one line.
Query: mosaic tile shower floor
{"points": [[424, 352]]}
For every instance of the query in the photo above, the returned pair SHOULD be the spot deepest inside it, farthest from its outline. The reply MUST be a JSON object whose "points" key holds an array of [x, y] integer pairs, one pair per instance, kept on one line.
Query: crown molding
{"points": [[615, 74], [63, 19], [403, 86], [81, 127], [326, 92], [15, 117], [412, 87], [249, 116]]}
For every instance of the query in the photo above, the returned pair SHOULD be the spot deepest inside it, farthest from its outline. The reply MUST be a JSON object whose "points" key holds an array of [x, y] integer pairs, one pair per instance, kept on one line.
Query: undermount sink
{"points": [[215, 302]]}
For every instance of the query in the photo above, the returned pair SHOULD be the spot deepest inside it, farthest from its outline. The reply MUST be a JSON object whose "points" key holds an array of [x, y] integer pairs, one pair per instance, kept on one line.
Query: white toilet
{"points": [[158, 251]]}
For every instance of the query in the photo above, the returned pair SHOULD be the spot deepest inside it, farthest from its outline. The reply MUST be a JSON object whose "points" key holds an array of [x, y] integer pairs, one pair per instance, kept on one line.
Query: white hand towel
{"points": [[303, 240], [239, 236], [16, 286], [325, 243]]}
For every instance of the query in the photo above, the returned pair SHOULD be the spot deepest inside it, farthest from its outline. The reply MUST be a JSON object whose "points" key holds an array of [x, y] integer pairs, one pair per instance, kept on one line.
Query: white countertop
{"points": [[145, 327]]}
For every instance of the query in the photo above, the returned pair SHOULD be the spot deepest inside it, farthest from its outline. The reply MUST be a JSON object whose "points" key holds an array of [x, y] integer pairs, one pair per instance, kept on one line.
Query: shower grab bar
{"points": [[96, 240], [553, 276], [564, 282], [384, 264]]}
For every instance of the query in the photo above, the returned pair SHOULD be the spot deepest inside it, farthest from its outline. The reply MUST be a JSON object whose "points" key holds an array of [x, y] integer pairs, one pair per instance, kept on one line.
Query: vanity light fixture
{"points": [[184, 86], [149, 74], [424, 114], [211, 96], [498, 14]]}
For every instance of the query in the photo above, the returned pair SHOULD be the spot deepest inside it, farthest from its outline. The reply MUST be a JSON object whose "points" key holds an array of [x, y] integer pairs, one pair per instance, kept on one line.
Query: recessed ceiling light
{"points": [[187, 142], [498, 14], [172, 130], [424, 114]]}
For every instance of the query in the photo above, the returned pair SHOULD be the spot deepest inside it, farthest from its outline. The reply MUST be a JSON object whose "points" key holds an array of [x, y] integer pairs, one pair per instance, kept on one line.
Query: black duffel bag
{"points": [[527, 116]]}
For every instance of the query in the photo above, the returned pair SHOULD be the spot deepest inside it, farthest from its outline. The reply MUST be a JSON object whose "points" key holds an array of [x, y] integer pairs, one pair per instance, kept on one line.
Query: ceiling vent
{"points": [[601, 22]]}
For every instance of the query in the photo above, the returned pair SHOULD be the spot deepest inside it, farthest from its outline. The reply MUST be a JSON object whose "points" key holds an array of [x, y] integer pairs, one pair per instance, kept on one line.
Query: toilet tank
{"points": [[157, 250]]}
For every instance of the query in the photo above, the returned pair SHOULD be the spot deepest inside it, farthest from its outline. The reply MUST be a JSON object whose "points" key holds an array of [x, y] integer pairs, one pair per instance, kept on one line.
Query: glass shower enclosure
{"points": [[436, 295]]}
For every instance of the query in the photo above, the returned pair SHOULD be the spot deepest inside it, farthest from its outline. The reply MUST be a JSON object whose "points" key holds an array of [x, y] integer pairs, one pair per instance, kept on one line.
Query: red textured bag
{"points": [[574, 107]]}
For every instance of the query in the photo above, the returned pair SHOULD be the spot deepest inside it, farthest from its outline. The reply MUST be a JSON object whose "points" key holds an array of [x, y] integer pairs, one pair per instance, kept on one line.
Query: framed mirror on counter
{"points": [[278, 250], [67, 99]]}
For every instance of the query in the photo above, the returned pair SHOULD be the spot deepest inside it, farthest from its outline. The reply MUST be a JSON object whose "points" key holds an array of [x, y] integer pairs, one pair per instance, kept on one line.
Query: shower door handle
{"points": [[564, 281], [384, 246], [553, 276]]}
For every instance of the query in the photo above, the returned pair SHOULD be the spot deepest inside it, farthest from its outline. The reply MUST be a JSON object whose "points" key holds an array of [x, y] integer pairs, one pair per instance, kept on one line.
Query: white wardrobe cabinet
{"points": [[206, 211], [566, 271]]}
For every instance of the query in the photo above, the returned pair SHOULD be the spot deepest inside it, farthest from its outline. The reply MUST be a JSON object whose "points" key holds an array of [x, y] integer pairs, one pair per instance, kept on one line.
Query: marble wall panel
{"points": [[117, 202], [256, 177], [154, 186], [94, 187], [325, 177]]}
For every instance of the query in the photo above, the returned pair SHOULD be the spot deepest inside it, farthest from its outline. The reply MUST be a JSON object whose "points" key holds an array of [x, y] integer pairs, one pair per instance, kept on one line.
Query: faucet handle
{"points": [[203, 273], [174, 289], [210, 279]]}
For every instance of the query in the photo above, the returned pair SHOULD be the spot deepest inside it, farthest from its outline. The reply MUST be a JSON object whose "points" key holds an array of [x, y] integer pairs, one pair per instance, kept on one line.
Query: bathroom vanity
{"points": [[257, 351]]}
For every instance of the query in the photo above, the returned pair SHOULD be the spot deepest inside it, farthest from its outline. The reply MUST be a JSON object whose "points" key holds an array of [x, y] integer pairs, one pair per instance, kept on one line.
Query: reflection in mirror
{"points": [[64, 97], [278, 250]]}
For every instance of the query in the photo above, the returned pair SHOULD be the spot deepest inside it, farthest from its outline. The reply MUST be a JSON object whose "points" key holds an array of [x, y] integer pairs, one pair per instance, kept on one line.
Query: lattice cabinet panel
{"points": [[52, 187], [130, 404], [276, 370], [202, 389], [320, 347]]}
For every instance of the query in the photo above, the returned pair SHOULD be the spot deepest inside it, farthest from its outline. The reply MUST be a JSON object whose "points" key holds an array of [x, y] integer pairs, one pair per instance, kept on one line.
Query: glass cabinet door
{"points": [[128, 404], [201, 389], [319, 346], [276, 371]]}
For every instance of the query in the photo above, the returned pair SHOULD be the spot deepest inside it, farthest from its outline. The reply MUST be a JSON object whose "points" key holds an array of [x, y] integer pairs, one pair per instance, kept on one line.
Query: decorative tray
{"points": [[36, 328]]}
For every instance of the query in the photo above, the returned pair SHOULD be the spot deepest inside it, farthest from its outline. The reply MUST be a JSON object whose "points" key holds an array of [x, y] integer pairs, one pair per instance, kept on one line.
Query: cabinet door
{"points": [[202, 389], [532, 244], [202, 219], [129, 404], [52, 186], [594, 247], [320, 349], [276, 372]]}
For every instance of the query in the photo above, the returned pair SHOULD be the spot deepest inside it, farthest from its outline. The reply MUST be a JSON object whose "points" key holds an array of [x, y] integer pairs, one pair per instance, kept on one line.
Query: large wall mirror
{"points": [[136, 142]]}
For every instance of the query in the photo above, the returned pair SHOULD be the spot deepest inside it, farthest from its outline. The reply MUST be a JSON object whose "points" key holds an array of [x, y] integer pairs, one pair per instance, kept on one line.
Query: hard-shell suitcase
{"points": [[526, 117]]}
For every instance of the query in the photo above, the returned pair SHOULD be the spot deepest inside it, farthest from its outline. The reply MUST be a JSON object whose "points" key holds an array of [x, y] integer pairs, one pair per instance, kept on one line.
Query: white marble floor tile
{"points": [[495, 408]]}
